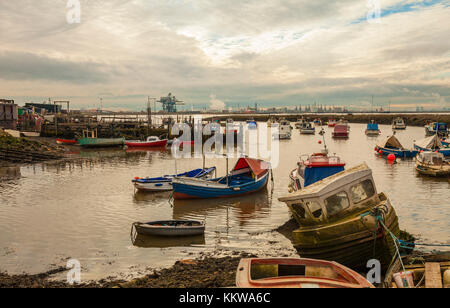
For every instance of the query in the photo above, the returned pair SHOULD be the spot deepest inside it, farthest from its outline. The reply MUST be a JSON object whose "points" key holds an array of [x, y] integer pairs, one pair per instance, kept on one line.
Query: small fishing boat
{"points": [[372, 129], [296, 273], [164, 183], [341, 131], [252, 124], [317, 122], [299, 123], [170, 228], [432, 164], [307, 129], [284, 130], [313, 168], [391, 145], [151, 142], [66, 141], [340, 219], [90, 140], [398, 123], [435, 128], [248, 176], [331, 123], [432, 143]]}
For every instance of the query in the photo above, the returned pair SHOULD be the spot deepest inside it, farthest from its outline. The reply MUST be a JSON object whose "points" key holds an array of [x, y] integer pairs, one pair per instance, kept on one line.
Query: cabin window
{"points": [[315, 208], [336, 203], [299, 210], [362, 191]]}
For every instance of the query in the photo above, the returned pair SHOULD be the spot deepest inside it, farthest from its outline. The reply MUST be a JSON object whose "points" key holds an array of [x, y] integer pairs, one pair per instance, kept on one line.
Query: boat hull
{"points": [[176, 231], [398, 153], [151, 187], [144, 144], [371, 132], [200, 190], [444, 151], [350, 242], [101, 142], [340, 135], [307, 131], [65, 141]]}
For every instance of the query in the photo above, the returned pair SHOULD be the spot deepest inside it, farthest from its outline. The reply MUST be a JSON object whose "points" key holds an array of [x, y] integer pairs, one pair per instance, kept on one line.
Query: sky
{"points": [[229, 53]]}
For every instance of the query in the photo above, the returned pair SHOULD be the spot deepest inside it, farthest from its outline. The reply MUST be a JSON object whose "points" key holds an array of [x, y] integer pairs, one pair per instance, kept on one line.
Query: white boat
{"points": [[284, 130], [432, 164], [307, 129], [398, 123]]}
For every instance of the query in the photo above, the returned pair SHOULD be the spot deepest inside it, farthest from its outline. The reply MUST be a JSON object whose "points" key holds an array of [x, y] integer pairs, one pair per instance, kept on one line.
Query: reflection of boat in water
{"points": [[340, 219], [432, 164], [296, 273], [10, 173], [249, 206], [147, 241], [145, 149]]}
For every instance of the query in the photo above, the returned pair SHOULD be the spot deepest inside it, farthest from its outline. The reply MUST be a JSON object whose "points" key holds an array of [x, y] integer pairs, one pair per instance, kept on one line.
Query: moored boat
{"points": [[296, 273], [340, 219], [248, 176], [284, 130], [432, 143], [372, 129], [331, 123], [436, 128], [398, 123], [391, 145], [151, 142], [170, 228], [341, 131], [66, 141], [90, 140], [164, 183], [432, 164], [445, 142], [307, 129], [299, 123]]}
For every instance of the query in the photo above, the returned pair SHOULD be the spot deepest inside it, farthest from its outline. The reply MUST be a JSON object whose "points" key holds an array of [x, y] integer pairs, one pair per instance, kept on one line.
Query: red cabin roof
{"points": [[258, 167], [340, 128]]}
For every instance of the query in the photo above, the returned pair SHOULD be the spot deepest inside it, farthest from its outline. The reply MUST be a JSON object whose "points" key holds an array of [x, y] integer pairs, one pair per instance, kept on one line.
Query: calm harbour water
{"points": [[84, 210]]}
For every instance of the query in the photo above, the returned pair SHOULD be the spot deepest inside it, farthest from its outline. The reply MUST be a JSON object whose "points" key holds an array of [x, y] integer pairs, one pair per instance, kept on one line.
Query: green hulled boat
{"points": [[90, 140], [339, 219]]}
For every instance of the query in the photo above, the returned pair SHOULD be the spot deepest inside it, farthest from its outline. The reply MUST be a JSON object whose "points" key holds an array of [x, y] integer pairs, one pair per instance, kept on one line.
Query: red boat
{"points": [[297, 273], [152, 142], [66, 141], [340, 131], [331, 123]]}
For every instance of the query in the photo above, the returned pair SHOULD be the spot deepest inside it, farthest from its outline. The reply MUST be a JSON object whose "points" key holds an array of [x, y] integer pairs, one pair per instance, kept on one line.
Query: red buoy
{"points": [[391, 157], [380, 152], [320, 141]]}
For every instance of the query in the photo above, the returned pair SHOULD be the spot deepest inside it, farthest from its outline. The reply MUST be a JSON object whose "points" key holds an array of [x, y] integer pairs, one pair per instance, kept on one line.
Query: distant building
{"points": [[39, 108], [8, 114]]}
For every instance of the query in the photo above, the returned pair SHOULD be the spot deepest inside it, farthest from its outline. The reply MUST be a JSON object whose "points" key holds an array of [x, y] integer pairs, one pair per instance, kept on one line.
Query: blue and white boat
{"points": [[391, 145], [432, 143], [435, 128], [248, 176], [372, 129], [252, 124], [445, 143], [164, 183]]}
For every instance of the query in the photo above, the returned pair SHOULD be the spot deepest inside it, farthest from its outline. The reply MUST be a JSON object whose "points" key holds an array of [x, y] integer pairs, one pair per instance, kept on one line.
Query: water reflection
{"points": [[9, 173], [147, 241]]}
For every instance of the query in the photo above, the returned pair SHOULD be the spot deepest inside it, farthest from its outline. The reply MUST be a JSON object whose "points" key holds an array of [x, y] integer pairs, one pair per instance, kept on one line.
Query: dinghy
{"points": [[248, 176], [170, 228], [66, 141], [391, 145], [164, 183], [151, 142], [296, 273], [432, 143]]}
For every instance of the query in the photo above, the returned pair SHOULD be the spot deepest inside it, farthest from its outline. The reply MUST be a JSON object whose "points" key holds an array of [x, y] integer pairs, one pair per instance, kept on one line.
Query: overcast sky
{"points": [[275, 52]]}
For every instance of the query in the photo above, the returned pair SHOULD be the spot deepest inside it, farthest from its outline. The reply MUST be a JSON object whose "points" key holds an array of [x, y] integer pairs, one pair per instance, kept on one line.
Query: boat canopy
{"points": [[439, 126], [372, 126], [316, 174], [330, 184], [432, 142], [257, 166], [390, 142]]}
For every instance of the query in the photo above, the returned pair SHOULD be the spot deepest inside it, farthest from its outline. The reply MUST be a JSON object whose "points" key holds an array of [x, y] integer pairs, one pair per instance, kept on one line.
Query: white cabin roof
{"points": [[330, 183]]}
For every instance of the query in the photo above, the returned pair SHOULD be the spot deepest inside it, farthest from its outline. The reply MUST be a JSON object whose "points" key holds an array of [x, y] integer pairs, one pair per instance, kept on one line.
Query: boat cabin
{"points": [[431, 158], [333, 198]]}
